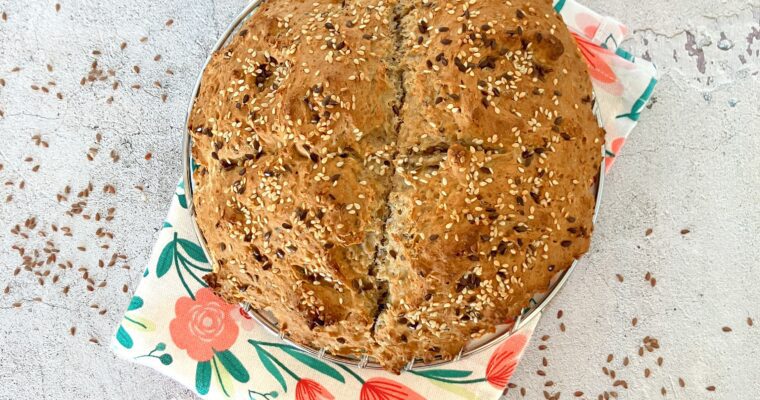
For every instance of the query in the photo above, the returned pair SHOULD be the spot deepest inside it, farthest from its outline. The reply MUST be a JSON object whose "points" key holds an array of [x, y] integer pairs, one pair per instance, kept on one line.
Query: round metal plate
{"points": [[270, 323]]}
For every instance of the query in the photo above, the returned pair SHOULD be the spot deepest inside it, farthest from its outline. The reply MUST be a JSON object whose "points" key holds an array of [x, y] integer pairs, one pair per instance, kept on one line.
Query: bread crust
{"points": [[394, 178]]}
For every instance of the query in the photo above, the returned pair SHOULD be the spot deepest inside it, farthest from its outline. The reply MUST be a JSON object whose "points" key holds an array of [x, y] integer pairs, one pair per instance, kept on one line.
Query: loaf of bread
{"points": [[394, 178]]}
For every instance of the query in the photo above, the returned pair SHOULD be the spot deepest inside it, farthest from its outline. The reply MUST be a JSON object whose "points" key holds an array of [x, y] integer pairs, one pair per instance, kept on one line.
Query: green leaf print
{"points": [[165, 259], [193, 250], [313, 363], [203, 377], [122, 336], [233, 366], [444, 373], [135, 303], [269, 365]]}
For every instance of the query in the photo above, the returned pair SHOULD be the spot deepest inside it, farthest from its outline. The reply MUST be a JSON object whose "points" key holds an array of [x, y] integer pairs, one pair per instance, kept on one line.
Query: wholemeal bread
{"points": [[394, 178]]}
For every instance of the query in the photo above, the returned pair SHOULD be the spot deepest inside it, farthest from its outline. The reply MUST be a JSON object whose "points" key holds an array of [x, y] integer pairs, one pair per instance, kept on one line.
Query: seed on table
{"points": [[710, 388], [610, 357], [648, 232], [559, 314], [169, 22], [57, 7], [619, 278], [578, 393], [73, 330], [749, 321], [634, 321], [685, 231], [727, 329], [123, 45], [93, 340], [681, 382]]}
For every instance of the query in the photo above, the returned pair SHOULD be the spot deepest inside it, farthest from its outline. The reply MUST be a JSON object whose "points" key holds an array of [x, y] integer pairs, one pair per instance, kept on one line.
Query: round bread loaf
{"points": [[394, 178]]}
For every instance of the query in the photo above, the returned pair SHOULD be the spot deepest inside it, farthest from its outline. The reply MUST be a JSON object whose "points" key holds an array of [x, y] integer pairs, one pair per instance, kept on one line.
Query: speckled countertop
{"points": [[689, 176]]}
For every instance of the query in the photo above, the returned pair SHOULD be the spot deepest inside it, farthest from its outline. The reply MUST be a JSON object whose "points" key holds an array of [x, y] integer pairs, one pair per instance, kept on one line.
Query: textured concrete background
{"points": [[691, 164]]}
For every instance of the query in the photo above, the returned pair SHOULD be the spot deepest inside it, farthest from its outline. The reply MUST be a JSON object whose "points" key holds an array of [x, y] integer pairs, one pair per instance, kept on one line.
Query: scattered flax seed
{"points": [[148, 156], [96, 53], [685, 231], [7, 290], [125, 288], [626, 360], [648, 276], [619, 278], [169, 22], [93, 340], [73, 330], [66, 290], [136, 68], [749, 321], [647, 372], [164, 96], [653, 282], [663, 391], [727, 329], [559, 314], [660, 361], [562, 327], [50, 68], [610, 357], [57, 7], [123, 45], [648, 232], [17, 305], [578, 393], [681, 382], [157, 57], [710, 388], [5, 16], [634, 321], [143, 39]]}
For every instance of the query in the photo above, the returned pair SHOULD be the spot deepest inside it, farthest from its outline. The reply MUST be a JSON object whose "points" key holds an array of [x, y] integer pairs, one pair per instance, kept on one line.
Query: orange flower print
{"points": [[597, 59], [307, 389], [386, 389], [504, 360], [204, 325]]}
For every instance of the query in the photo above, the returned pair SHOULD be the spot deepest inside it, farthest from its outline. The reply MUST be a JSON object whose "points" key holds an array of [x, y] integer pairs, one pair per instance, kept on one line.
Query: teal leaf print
{"points": [[203, 377], [135, 303], [165, 259], [444, 373], [269, 365], [559, 6], [233, 366], [122, 336], [193, 250], [314, 363], [181, 198], [165, 359]]}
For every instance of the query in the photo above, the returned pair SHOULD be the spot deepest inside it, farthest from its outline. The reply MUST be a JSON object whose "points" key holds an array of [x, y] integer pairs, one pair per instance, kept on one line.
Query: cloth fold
{"points": [[177, 326]]}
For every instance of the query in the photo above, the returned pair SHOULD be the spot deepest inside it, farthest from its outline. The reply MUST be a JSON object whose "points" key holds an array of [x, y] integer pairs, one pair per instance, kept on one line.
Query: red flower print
{"points": [[244, 321], [598, 61], [307, 389], [504, 360], [204, 325], [386, 389]]}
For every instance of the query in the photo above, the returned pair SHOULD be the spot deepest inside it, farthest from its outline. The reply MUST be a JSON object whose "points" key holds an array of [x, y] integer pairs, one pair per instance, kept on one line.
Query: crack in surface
{"points": [[398, 76]]}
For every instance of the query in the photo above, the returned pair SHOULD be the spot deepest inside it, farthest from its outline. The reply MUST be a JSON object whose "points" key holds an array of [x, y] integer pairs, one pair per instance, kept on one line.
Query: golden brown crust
{"points": [[394, 178]]}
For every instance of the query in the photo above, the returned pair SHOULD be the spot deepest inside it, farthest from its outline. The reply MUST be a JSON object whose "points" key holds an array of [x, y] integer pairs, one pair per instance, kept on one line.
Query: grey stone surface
{"points": [[691, 164]]}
